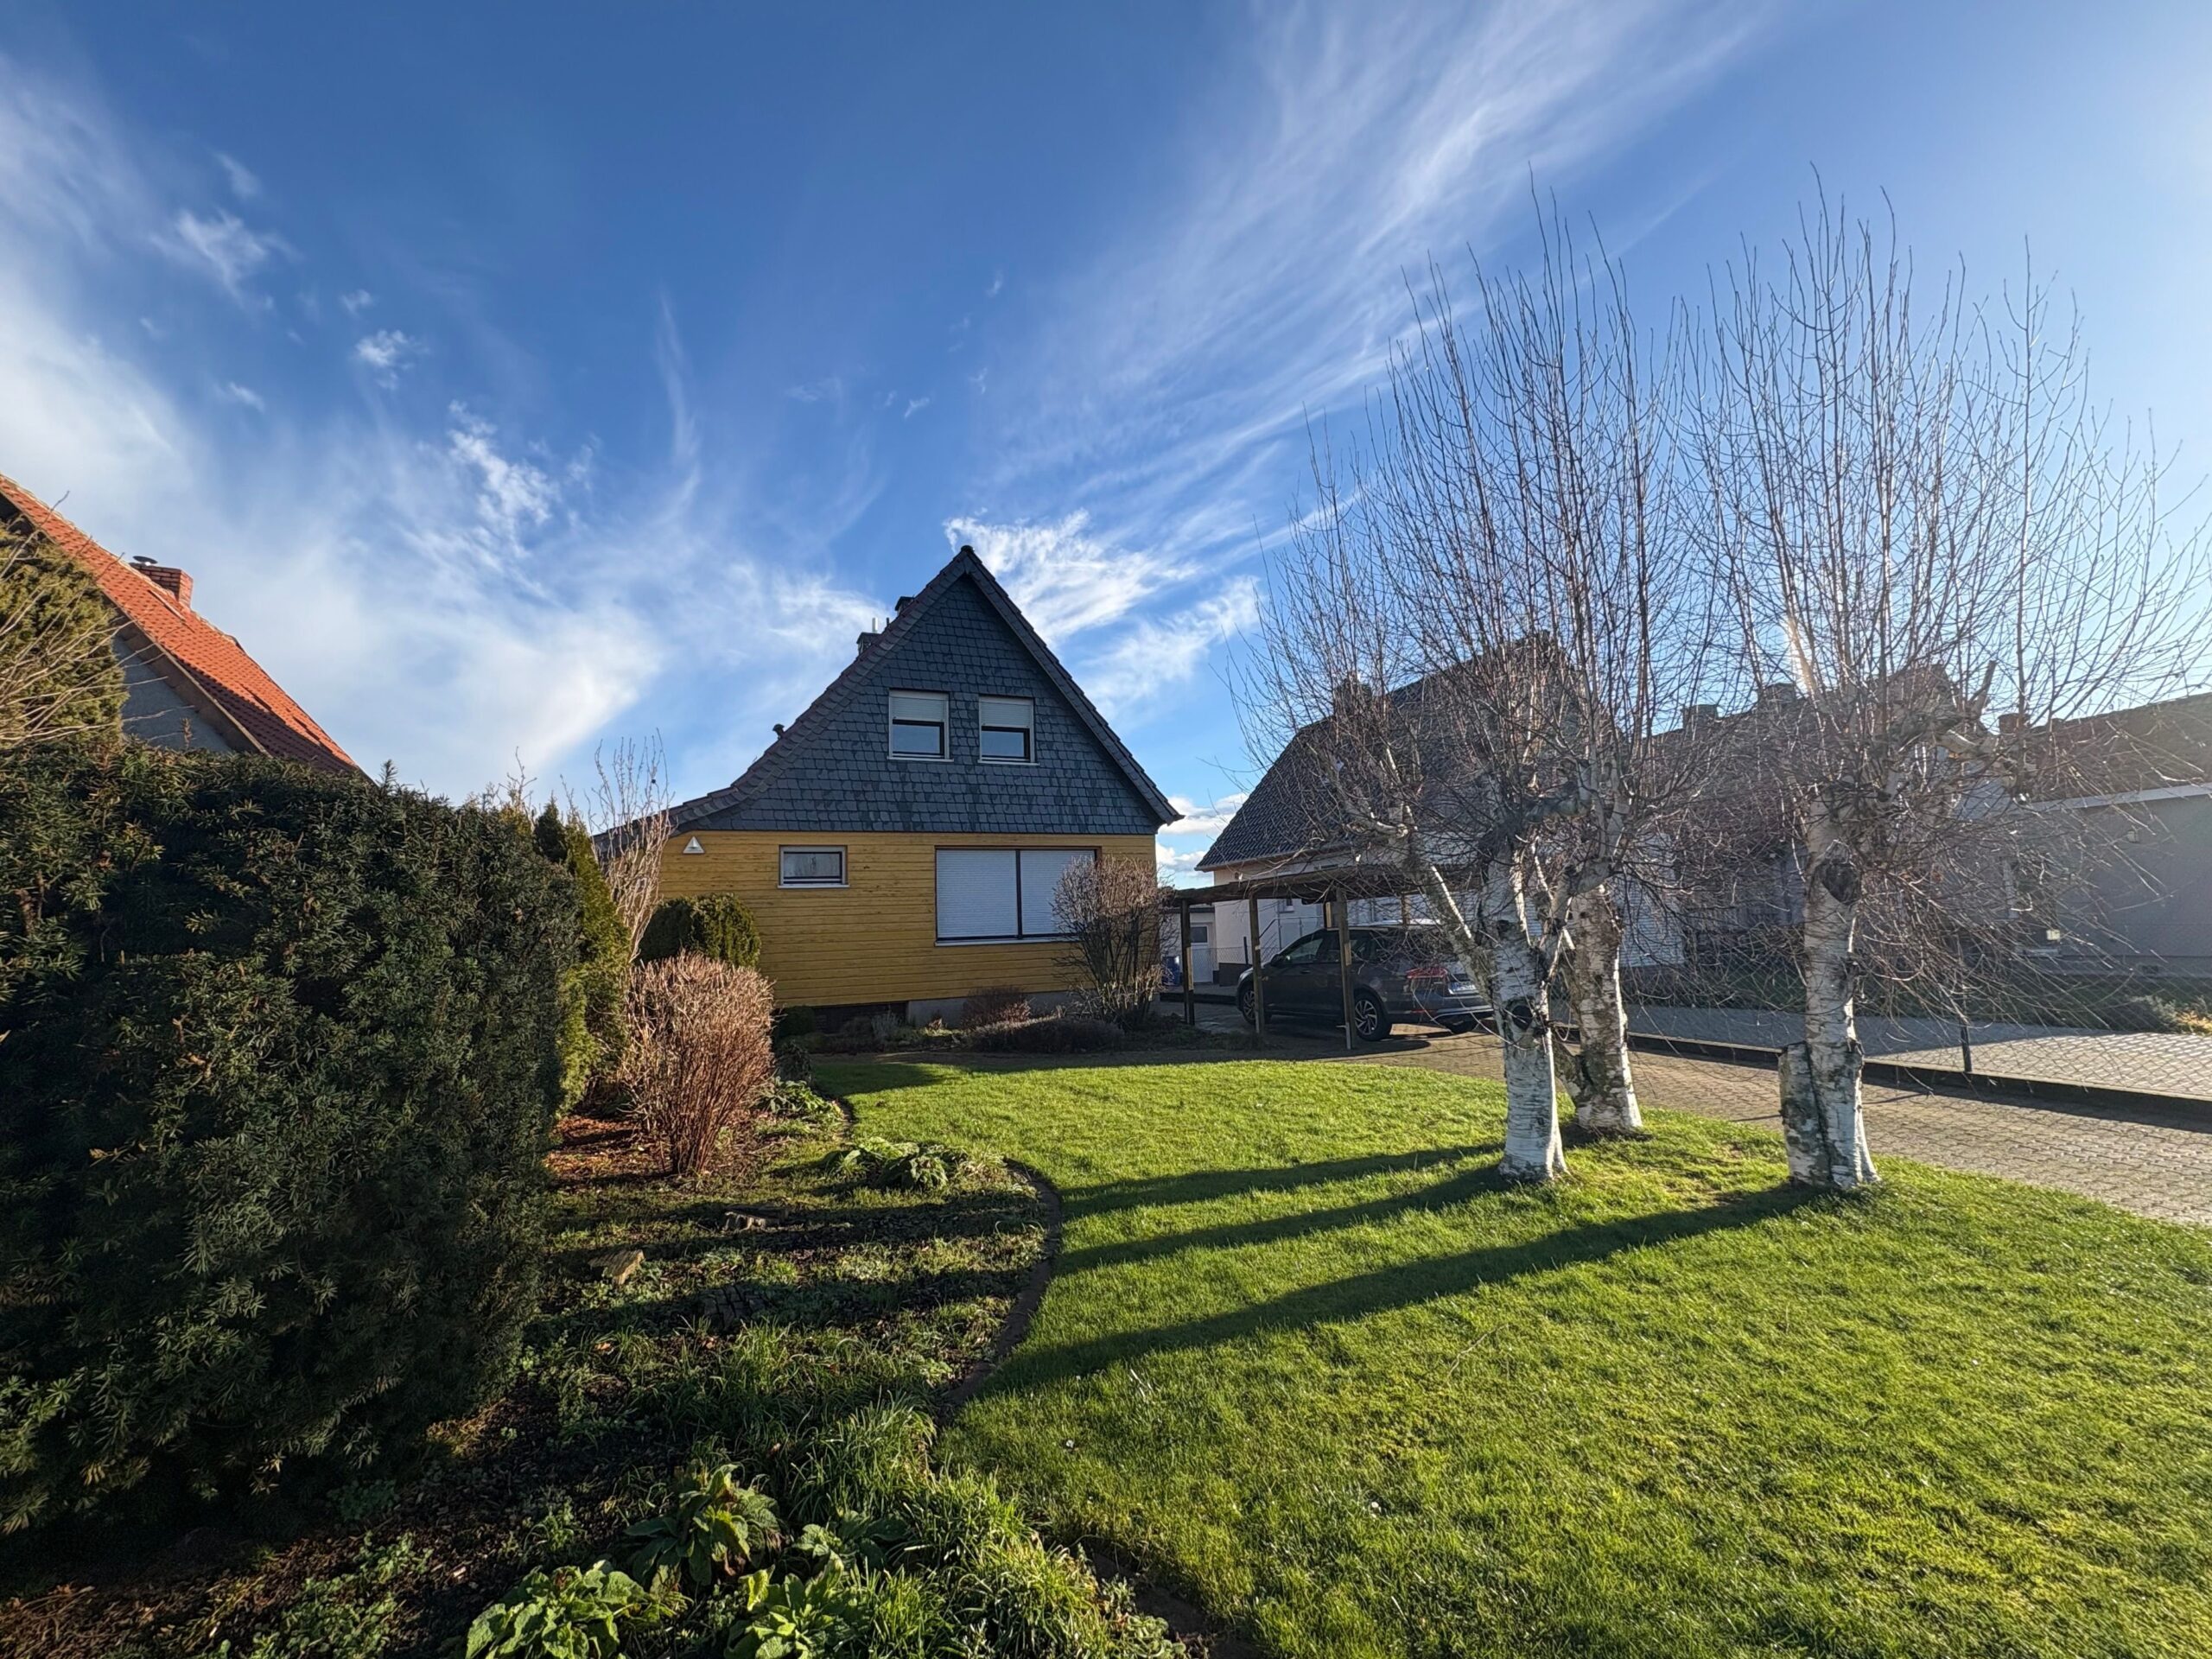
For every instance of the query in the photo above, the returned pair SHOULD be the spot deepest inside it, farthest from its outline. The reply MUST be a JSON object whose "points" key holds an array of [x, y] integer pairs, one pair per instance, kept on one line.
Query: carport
{"points": [[1333, 890]]}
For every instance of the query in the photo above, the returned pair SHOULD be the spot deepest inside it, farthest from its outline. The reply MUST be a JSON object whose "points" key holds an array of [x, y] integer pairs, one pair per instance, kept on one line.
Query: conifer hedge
{"points": [[594, 1033], [279, 1063]]}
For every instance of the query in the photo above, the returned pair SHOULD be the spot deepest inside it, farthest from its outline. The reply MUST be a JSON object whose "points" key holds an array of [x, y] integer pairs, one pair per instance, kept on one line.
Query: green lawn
{"points": [[1305, 1359]]}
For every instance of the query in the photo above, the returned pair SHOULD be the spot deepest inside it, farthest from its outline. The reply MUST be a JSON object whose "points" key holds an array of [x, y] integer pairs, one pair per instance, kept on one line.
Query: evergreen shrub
{"points": [[594, 1035], [718, 926], [280, 1060]]}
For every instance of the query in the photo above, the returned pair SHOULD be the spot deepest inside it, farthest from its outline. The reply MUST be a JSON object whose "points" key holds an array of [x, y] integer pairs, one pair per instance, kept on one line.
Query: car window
{"points": [[1307, 950]]}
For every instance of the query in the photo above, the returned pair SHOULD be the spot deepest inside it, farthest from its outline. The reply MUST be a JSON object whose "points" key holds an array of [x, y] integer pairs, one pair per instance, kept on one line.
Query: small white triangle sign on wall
{"points": [[692, 845]]}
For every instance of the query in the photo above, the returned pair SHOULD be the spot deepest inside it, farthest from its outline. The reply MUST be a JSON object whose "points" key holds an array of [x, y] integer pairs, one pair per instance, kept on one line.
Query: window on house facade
{"points": [[813, 867], [1007, 729], [917, 720], [1000, 893]]}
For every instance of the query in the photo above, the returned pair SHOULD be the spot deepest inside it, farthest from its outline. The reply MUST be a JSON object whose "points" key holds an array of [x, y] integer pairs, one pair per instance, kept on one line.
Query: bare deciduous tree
{"points": [[1491, 619], [1109, 909], [59, 676], [1916, 516], [628, 806]]}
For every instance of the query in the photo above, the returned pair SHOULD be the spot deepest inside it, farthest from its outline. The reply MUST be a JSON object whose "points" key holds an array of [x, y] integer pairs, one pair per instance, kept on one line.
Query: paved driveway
{"points": [[2156, 1063]]}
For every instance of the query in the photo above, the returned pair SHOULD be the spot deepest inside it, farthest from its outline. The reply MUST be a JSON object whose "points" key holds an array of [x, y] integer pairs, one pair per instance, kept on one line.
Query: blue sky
{"points": [[512, 378]]}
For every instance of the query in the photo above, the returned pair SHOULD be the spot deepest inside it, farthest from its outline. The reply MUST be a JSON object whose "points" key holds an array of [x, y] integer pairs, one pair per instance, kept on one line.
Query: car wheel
{"points": [[1370, 1020], [1244, 1004]]}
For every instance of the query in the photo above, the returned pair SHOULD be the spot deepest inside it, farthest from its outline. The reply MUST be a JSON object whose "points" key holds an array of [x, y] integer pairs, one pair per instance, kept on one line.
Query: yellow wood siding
{"points": [[873, 939]]}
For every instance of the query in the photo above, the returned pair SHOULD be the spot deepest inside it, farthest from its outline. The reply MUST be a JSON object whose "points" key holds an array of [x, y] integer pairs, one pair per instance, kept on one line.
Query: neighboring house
{"points": [[1289, 824], [2140, 809], [1285, 826], [899, 842], [187, 683]]}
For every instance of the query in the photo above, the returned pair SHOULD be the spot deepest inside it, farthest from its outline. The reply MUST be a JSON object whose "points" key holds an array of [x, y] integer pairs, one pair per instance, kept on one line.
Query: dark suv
{"points": [[1398, 974]]}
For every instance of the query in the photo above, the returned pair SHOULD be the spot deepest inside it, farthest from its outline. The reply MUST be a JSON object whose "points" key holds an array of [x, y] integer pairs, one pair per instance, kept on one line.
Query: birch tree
{"points": [[1508, 558], [1914, 516]]}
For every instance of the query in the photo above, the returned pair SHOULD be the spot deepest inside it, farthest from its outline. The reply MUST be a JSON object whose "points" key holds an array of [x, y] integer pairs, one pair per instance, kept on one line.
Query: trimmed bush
{"points": [[717, 927], [593, 1035], [281, 1055], [1060, 1033], [699, 1059]]}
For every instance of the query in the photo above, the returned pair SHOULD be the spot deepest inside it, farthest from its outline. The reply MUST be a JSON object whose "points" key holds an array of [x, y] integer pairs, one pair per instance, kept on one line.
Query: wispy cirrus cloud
{"points": [[222, 247], [384, 352], [245, 183], [1172, 391], [437, 588], [1066, 577]]}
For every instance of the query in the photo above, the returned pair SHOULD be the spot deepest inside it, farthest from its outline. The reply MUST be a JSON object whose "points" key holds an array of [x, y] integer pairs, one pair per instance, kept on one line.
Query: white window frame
{"points": [[1027, 725], [782, 875], [943, 722], [1024, 934]]}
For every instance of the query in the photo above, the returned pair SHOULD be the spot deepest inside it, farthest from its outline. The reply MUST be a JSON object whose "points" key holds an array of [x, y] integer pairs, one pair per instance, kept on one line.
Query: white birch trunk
{"points": [[1823, 1119], [1533, 1152], [1605, 1102]]}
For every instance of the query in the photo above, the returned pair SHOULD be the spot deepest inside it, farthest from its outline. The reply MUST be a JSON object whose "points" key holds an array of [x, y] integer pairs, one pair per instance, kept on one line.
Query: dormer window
{"points": [[918, 720], [1007, 729]]}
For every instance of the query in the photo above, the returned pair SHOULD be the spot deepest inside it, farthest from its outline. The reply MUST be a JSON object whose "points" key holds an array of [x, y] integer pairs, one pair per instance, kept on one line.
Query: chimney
{"points": [[1781, 691], [866, 640], [1350, 691], [2008, 725], [1695, 714], [176, 583]]}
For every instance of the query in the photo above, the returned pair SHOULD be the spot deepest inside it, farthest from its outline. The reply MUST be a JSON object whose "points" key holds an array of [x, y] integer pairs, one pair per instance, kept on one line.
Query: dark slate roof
{"points": [[2157, 745], [1293, 813], [1278, 819], [961, 635]]}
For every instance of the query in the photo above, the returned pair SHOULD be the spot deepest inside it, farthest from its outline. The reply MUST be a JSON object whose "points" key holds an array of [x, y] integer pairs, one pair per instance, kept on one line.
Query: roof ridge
{"points": [[770, 764]]}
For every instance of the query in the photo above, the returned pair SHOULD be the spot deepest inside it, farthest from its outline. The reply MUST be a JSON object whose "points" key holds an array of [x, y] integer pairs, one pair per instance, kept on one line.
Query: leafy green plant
{"points": [[791, 1618], [853, 1540], [716, 1527], [572, 1612], [1056, 1034], [924, 1165], [795, 1103], [351, 1615]]}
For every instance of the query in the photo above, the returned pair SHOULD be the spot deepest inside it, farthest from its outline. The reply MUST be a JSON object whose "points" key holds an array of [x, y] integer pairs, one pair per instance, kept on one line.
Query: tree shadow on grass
{"points": [[1456, 1188], [1346, 1300], [1198, 1186]]}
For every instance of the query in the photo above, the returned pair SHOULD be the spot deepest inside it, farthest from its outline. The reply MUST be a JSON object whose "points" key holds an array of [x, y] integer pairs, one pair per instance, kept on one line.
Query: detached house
{"points": [[187, 683], [900, 841]]}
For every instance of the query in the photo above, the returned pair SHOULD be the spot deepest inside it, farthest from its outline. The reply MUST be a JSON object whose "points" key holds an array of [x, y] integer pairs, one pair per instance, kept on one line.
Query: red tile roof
{"points": [[207, 668]]}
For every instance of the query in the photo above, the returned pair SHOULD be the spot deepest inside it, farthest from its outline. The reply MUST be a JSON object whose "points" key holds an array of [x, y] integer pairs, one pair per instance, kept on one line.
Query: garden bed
{"points": [[768, 1310]]}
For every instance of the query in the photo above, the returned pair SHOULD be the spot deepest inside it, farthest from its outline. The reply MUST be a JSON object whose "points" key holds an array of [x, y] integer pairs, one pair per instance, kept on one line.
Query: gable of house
{"points": [[961, 638], [188, 684], [925, 875]]}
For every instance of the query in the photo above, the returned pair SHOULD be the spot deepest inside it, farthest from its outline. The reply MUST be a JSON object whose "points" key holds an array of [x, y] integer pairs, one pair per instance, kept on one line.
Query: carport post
{"points": [[1190, 987], [1259, 987], [1344, 959]]}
